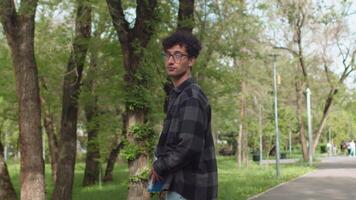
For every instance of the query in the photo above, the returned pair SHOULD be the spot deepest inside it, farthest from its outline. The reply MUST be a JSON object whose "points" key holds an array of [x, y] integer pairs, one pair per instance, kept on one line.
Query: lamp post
{"points": [[310, 130], [276, 115]]}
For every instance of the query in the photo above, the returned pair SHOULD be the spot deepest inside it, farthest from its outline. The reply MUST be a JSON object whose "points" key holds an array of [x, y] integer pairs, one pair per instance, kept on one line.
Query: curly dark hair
{"points": [[185, 39]]}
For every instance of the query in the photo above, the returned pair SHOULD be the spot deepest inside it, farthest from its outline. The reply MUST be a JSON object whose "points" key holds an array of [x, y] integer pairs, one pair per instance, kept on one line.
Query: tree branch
{"points": [[28, 8], [8, 15], [145, 12], [186, 15], [118, 18], [294, 53]]}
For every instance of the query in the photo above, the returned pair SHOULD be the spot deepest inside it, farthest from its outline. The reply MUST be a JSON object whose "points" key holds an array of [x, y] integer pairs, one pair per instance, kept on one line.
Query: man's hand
{"points": [[154, 175]]}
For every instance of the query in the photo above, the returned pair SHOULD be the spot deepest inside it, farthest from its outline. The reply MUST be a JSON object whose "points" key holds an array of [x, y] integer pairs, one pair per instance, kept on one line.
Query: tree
{"points": [[49, 125], [52, 43], [71, 90], [91, 109], [19, 28], [335, 34], [302, 18], [134, 40]]}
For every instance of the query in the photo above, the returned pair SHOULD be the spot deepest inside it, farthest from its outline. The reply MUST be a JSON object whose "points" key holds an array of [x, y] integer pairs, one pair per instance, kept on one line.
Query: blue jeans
{"points": [[174, 196]]}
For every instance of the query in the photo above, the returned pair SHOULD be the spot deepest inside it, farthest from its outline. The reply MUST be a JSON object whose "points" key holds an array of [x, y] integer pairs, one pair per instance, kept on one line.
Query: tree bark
{"points": [[7, 191], [301, 126], [137, 190], [92, 163], [49, 124], [186, 15], [111, 162], [19, 30], [133, 42], [241, 144], [327, 106], [243, 139], [71, 90], [52, 142]]}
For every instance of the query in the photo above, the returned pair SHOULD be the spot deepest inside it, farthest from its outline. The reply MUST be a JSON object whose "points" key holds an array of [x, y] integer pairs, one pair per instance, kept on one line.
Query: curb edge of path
{"points": [[274, 187]]}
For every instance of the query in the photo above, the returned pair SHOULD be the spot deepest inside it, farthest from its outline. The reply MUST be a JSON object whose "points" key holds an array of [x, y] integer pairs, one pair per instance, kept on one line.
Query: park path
{"points": [[335, 178]]}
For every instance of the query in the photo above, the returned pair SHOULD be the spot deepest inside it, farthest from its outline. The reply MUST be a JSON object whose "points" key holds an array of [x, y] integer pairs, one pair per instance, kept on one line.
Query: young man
{"points": [[185, 151]]}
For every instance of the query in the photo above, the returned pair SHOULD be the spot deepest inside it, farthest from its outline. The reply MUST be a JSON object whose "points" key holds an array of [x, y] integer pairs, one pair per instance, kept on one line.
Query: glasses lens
{"points": [[177, 57]]}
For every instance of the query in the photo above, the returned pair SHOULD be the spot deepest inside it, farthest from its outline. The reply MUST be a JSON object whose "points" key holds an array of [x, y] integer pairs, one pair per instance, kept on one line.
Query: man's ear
{"points": [[191, 61]]}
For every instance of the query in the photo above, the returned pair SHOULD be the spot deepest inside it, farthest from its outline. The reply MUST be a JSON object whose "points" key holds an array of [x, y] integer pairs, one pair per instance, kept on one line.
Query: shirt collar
{"points": [[183, 85]]}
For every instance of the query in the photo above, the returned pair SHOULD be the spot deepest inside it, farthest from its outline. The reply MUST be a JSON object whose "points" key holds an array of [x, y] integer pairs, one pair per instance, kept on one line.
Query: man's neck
{"points": [[177, 82]]}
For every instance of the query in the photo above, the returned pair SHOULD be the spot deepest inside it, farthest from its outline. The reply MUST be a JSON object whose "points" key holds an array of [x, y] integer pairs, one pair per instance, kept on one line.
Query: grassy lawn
{"points": [[239, 184], [234, 183], [115, 190]]}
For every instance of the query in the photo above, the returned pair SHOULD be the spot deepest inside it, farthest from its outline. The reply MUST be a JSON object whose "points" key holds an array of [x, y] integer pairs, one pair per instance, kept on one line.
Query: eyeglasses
{"points": [[177, 57]]}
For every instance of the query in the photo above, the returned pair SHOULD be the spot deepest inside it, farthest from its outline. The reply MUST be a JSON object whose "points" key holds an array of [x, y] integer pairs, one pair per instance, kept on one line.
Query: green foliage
{"points": [[130, 151], [145, 136], [117, 188], [142, 176], [142, 132]]}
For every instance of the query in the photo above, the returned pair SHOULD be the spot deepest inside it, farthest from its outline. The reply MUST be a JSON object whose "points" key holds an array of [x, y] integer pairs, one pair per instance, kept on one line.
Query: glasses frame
{"points": [[177, 56]]}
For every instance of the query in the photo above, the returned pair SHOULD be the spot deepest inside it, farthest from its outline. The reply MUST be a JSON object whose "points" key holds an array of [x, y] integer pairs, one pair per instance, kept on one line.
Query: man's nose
{"points": [[170, 59]]}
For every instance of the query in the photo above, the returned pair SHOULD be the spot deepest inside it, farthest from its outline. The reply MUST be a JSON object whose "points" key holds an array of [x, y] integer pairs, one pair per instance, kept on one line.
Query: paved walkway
{"points": [[335, 179]]}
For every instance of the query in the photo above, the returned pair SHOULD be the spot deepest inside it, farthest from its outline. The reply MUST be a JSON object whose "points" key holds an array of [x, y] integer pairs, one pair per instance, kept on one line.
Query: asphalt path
{"points": [[335, 178]]}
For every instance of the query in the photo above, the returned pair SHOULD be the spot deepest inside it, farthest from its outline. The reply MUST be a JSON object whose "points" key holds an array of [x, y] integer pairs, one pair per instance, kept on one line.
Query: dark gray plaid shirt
{"points": [[185, 152]]}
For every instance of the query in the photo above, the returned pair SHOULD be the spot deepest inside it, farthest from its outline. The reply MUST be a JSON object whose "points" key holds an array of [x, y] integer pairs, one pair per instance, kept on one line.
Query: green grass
{"points": [[234, 183], [242, 183], [114, 190]]}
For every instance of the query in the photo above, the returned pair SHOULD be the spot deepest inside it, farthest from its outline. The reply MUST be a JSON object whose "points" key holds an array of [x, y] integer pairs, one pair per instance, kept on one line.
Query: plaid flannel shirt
{"points": [[185, 151]]}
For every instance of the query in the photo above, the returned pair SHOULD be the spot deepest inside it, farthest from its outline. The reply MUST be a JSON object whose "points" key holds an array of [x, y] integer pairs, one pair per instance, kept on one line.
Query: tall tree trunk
{"points": [[19, 29], [7, 191], [49, 124], [301, 126], [71, 90], [52, 142], [92, 163], [111, 162], [241, 143], [117, 146], [327, 106], [137, 190], [133, 42], [244, 143]]}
